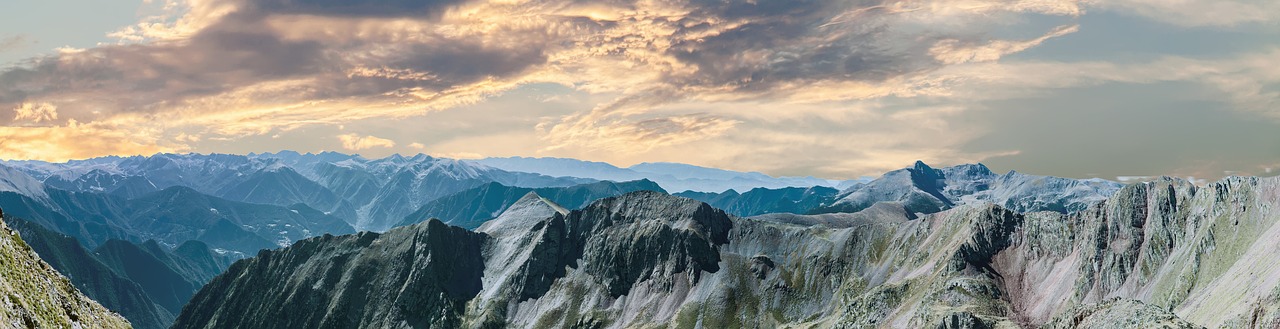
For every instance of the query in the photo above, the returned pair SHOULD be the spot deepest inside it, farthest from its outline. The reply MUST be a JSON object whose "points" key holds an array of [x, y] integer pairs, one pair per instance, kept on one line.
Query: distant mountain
{"points": [[279, 185], [924, 189], [796, 200], [377, 194], [15, 181], [168, 278], [406, 183], [98, 180], [37, 296], [671, 176], [92, 218], [1159, 254], [180, 214], [367, 194], [173, 216], [471, 208]]}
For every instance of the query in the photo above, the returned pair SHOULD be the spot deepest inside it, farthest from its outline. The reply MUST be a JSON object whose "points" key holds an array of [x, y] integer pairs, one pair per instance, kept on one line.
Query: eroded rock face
{"points": [[648, 237], [1118, 314], [1158, 253], [1167, 243]]}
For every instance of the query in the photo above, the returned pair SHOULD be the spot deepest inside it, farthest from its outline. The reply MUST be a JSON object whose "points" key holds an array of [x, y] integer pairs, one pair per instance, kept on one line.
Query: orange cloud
{"points": [[221, 70], [35, 112], [79, 141]]}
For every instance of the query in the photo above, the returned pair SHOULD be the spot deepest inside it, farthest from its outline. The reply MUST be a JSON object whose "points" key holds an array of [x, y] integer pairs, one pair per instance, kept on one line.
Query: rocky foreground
{"points": [[1163, 254], [34, 295]]}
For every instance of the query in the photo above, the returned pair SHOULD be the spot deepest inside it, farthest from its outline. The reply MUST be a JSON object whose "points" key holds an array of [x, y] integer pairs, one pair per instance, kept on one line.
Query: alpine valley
{"points": [[331, 240]]}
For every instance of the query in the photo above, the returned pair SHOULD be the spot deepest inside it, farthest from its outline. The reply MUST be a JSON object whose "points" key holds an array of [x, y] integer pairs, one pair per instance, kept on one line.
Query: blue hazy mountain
{"points": [[671, 176], [173, 216], [757, 201], [471, 208], [367, 194]]}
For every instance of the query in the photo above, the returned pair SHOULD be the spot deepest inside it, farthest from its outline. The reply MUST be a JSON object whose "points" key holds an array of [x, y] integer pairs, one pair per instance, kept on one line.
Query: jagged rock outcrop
{"points": [[1119, 314], [34, 295], [1163, 253]]}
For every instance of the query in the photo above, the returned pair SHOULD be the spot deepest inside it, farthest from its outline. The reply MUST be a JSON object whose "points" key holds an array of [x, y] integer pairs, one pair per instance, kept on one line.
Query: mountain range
{"points": [[1164, 254], [143, 234], [671, 176]]}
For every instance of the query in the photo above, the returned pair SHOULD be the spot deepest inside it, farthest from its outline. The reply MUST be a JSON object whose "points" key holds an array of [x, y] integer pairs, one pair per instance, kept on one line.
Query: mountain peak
{"points": [[921, 166], [523, 214], [532, 198]]}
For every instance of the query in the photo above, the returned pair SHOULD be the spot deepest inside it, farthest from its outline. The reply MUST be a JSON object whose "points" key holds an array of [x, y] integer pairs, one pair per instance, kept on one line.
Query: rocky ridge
{"points": [[1162, 253]]}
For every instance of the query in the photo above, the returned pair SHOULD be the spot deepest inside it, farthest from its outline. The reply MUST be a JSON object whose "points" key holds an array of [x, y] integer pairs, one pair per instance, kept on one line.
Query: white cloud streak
{"points": [[356, 142]]}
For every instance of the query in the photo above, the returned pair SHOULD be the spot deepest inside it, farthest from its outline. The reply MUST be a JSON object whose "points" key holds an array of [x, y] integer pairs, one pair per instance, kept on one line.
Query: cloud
{"points": [[35, 112], [1190, 13], [639, 136], [78, 141], [1250, 80], [953, 51], [417, 146], [215, 70], [356, 142], [11, 43]]}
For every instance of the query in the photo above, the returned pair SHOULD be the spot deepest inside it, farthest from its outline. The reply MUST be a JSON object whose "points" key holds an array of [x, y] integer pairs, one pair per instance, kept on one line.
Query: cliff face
{"points": [[1159, 253], [34, 295], [1205, 253]]}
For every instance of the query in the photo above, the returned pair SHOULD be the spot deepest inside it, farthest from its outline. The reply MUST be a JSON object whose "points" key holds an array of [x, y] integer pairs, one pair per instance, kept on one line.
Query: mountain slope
{"points": [[161, 282], [283, 186], [416, 276], [13, 180], [99, 180], [422, 179], [177, 214], [95, 279], [36, 296]]}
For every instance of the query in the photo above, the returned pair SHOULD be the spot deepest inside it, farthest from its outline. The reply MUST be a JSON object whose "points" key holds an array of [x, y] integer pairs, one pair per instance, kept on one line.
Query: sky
{"points": [[826, 88]]}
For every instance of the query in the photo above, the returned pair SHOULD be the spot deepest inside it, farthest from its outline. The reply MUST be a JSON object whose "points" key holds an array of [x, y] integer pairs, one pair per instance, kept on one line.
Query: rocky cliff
{"points": [[1157, 254]]}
